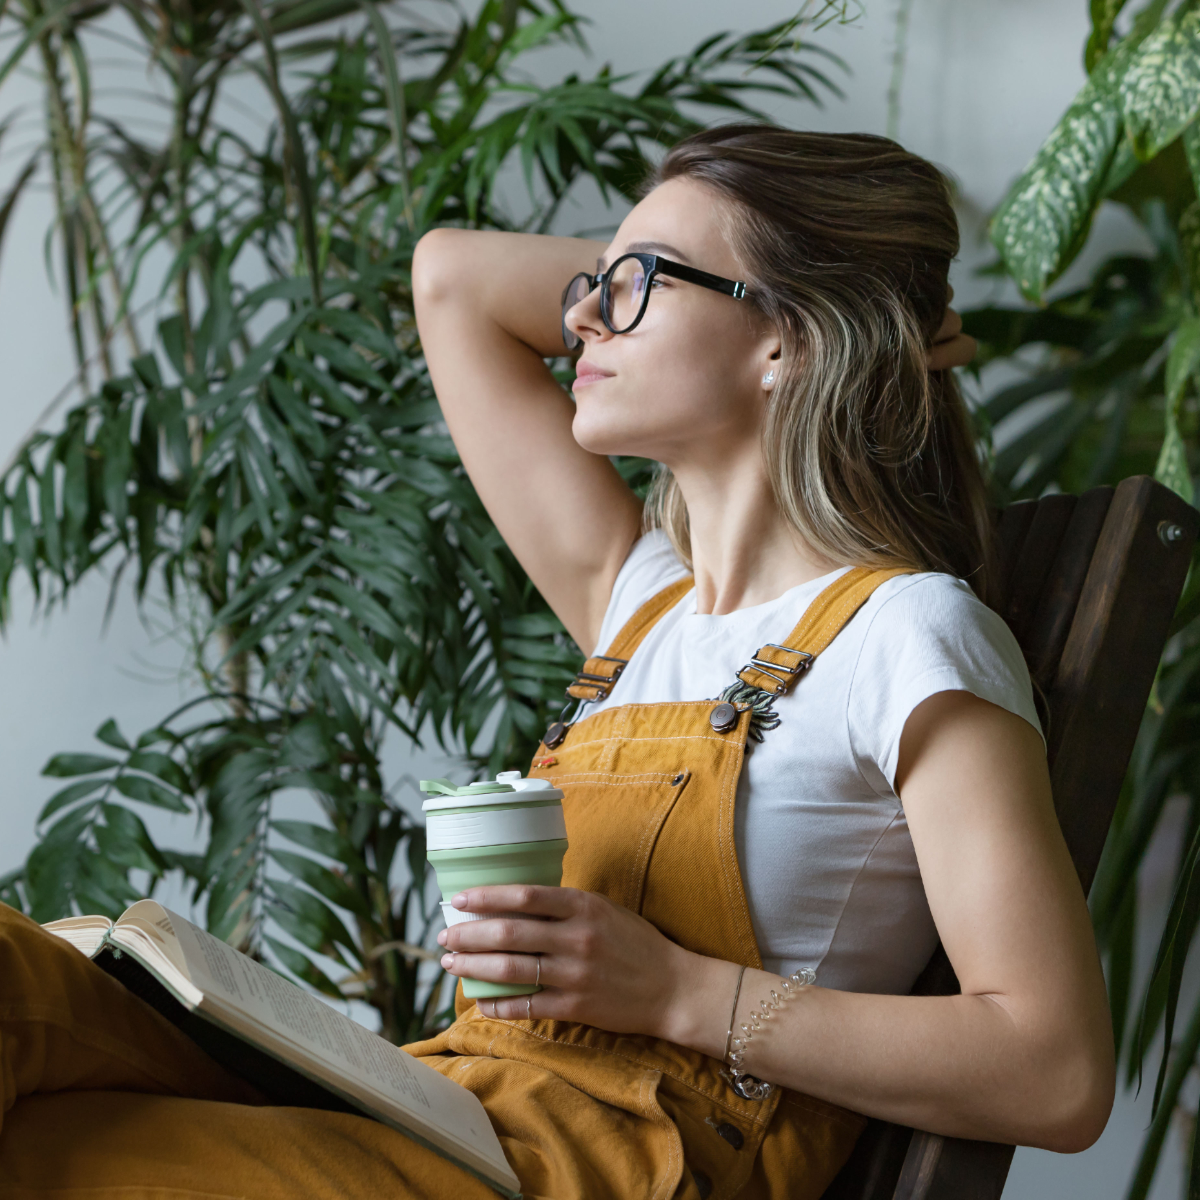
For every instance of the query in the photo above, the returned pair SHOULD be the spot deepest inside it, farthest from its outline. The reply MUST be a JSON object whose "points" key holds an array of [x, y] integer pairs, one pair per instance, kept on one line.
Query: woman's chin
{"points": [[601, 438]]}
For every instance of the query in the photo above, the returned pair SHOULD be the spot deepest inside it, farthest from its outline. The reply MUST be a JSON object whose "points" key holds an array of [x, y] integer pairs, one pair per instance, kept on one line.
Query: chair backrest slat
{"points": [[1047, 635], [1038, 552], [1110, 658], [1089, 586]]}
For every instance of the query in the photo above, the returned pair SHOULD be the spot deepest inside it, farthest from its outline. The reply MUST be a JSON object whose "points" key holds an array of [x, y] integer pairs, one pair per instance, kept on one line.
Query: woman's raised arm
{"points": [[487, 308]]}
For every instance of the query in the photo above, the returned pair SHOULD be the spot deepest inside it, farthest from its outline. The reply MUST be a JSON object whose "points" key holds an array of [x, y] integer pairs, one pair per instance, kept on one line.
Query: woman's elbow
{"points": [[1078, 1101], [435, 267]]}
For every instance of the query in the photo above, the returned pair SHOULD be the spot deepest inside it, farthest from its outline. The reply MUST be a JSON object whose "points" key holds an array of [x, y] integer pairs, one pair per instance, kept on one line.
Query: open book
{"points": [[295, 1049]]}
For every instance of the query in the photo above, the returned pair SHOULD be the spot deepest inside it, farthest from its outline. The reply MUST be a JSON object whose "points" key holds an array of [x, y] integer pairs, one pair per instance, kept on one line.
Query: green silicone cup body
{"points": [[483, 866]]}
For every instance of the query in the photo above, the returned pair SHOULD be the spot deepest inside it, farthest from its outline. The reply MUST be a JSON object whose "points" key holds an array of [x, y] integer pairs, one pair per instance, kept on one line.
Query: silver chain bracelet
{"points": [[747, 1086]]}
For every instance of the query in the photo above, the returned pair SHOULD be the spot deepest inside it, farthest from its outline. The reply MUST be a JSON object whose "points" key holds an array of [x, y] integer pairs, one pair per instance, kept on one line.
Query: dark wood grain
{"points": [[1011, 529], [1090, 587], [953, 1168], [1046, 635], [1110, 657], [874, 1168], [1039, 550]]}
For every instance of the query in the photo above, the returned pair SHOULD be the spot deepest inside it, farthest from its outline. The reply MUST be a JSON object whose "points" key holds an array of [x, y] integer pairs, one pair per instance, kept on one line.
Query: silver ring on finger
{"points": [[538, 981], [529, 1008]]}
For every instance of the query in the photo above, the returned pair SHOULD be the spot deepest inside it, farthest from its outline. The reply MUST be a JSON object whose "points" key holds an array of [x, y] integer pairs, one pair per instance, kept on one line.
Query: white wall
{"points": [[985, 80]]}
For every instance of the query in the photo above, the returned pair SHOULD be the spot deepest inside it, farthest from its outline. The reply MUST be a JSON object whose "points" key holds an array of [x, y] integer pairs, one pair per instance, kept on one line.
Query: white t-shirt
{"points": [[827, 861]]}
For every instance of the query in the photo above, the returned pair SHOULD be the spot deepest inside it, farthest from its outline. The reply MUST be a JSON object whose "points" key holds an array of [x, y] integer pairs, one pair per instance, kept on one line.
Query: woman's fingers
{"points": [[495, 968], [528, 898], [551, 1005], [957, 352], [951, 327], [511, 934], [951, 347]]}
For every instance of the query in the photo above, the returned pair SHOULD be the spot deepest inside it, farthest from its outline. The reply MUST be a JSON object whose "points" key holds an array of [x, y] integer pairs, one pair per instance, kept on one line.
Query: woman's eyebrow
{"points": [[658, 248], [649, 248]]}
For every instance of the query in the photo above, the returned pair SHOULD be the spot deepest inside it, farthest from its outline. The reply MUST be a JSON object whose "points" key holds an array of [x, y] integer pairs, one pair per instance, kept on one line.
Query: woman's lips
{"points": [[586, 373]]}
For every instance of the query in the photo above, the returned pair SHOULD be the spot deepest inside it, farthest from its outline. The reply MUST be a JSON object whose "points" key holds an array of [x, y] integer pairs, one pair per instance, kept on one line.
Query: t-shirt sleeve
{"points": [[652, 565], [932, 634]]}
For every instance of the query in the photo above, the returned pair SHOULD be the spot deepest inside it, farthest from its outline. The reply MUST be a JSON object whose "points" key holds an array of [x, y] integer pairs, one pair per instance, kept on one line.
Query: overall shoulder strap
{"points": [[601, 672], [776, 666]]}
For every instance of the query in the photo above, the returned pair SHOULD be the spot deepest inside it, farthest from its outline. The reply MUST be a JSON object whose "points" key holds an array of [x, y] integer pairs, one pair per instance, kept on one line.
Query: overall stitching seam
{"points": [[519, 1027], [671, 1150], [730, 784], [633, 867], [814, 613], [637, 892], [614, 780], [651, 612], [686, 737], [834, 616]]}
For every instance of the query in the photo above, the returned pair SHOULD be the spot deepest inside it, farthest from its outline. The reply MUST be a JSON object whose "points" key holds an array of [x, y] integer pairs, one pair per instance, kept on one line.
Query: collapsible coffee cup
{"points": [[503, 830]]}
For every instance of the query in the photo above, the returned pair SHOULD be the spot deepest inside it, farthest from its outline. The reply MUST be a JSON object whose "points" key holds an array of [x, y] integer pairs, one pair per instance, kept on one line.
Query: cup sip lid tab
{"points": [[445, 794]]}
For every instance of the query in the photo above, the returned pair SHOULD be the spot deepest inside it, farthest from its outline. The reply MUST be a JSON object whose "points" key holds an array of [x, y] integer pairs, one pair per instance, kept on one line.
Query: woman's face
{"points": [[686, 383]]}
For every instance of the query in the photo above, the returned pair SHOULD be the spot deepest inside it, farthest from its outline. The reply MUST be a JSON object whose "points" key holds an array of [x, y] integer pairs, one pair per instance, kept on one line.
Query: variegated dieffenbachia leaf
{"points": [[1191, 147], [1160, 87], [1104, 14], [1189, 245], [1172, 468], [1047, 213]]}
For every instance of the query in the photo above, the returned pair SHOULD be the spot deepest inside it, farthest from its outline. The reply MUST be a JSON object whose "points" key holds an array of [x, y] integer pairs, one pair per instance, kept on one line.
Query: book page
{"points": [[86, 934], [236, 987], [273, 1001], [152, 934]]}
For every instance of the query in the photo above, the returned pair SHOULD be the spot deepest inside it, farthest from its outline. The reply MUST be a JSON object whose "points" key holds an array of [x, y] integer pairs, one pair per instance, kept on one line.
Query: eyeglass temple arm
{"points": [[734, 288]]}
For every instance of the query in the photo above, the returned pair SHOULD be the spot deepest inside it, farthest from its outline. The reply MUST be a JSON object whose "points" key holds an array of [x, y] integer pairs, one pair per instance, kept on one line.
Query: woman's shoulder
{"points": [[931, 599], [929, 621], [922, 634], [650, 566]]}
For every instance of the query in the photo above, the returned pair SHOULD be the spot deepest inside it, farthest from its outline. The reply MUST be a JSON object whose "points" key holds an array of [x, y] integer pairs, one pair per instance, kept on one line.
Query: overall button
{"points": [[555, 735], [723, 718], [732, 1134]]}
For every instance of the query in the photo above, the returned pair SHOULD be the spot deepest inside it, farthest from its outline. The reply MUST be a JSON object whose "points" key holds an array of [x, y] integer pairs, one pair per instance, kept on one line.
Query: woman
{"points": [[801, 432], [760, 325]]}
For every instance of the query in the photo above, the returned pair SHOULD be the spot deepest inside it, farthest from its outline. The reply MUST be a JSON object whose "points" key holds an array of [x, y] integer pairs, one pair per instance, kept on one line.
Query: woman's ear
{"points": [[773, 364]]}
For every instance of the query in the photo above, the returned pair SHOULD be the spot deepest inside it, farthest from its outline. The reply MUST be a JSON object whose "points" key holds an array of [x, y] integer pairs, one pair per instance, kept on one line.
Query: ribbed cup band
{"points": [[459, 831], [455, 916]]}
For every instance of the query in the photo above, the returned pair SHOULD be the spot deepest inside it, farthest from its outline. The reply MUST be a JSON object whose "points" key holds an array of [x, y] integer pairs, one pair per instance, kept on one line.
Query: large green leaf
{"points": [[1104, 14], [1160, 85], [1044, 220], [1172, 468]]}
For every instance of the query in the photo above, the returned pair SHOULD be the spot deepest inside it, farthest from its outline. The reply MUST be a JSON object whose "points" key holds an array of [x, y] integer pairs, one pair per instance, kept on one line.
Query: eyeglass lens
{"points": [[625, 293], [576, 290], [622, 297]]}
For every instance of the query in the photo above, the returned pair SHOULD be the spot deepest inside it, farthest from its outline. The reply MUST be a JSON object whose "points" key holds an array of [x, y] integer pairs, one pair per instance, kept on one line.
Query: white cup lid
{"points": [[507, 788]]}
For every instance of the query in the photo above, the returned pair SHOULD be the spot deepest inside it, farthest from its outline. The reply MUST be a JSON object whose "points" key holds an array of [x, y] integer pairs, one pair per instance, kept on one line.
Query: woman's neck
{"points": [[743, 551]]}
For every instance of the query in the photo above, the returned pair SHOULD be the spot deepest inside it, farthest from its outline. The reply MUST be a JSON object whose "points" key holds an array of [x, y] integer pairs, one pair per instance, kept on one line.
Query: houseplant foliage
{"points": [[272, 457], [1111, 390]]}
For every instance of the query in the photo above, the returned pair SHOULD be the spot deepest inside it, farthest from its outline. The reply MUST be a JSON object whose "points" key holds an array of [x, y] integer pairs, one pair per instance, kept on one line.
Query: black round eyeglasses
{"points": [[625, 291]]}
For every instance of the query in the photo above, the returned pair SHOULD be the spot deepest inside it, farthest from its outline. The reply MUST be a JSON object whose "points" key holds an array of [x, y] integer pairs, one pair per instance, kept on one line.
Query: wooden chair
{"points": [[1089, 585]]}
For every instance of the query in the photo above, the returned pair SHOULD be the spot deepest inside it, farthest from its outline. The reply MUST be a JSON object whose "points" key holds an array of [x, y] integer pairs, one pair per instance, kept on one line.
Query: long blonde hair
{"points": [[846, 240]]}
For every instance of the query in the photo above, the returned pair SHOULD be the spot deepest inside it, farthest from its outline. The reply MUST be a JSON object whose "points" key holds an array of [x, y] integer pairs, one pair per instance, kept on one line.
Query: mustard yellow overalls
{"points": [[104, 1099]]}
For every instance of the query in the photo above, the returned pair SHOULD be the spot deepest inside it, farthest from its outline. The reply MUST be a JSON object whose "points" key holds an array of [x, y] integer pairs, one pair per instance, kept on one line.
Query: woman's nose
{"points": [[583, 319]]}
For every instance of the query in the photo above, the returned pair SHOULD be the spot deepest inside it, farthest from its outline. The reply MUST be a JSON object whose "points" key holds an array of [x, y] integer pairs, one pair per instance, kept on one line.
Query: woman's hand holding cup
{"points": [[600, 964]]}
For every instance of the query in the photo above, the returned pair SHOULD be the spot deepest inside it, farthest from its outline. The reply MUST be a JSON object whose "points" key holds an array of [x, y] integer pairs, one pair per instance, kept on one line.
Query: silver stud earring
{"points": [[768, 378]]}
